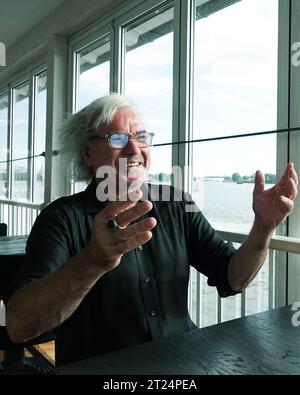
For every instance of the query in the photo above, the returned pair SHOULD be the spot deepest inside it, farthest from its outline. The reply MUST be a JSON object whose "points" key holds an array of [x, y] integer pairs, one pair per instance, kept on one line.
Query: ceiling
{"points": [[18, 17]]}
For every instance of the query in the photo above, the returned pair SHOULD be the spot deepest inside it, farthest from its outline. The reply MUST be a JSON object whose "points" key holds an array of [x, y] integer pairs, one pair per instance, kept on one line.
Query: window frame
{"points": [[77, 44], [5, 92], [29, 75]]}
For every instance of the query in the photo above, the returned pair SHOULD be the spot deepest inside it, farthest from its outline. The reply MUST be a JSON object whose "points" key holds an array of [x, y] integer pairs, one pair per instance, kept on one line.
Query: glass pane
{"points": [[208, 303], [257, 293], [93, 81], [223, 178], [40, 137], [235, 76], [80, 186], [231, 308], [149, 71], [20, 143], [94, 65], [161, 165], [3, 146], [208, 298]]}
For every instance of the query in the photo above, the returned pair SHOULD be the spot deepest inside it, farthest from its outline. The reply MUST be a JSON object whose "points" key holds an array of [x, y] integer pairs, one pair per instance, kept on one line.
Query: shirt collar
{"points": [[91, 204]]}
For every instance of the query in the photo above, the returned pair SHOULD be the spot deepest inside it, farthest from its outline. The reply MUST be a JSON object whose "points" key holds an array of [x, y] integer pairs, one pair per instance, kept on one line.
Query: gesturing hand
{"points": [[273, 205], [107, 246]]}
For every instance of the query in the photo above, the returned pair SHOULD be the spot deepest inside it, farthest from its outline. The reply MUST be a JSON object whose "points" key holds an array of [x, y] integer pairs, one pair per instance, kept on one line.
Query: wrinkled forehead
{"points": [[125, 119]]}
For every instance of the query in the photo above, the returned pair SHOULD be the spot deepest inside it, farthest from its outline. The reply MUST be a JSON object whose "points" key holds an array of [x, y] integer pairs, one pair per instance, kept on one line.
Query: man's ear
{"points": [[86, 156]]}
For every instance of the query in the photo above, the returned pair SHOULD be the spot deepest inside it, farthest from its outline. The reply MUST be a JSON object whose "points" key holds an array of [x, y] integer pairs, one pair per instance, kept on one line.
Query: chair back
{"points": [[15, 362], [3, 229]]}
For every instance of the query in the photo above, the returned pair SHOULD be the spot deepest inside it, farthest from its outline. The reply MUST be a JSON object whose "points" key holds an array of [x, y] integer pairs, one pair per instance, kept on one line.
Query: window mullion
{"points": [[182, 82], [293, 273], [31, 127], [11, 101], [117, 59]]}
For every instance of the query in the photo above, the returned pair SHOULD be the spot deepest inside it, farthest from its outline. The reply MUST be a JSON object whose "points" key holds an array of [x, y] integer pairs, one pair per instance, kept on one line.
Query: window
{"points": [[149, 70], [161, 165], [92, 81], [3, 145], [93, 78], [235, 67], [223, 175], [235, 93], [20, 143], [149, 82], [22, 138]]}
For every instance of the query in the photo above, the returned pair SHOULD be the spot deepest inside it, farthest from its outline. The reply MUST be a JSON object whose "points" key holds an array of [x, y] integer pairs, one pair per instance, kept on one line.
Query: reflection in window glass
{"points": [[40, 137], [20, 143], [3, 146], [93, 80], [149, 71], [235, 67]]}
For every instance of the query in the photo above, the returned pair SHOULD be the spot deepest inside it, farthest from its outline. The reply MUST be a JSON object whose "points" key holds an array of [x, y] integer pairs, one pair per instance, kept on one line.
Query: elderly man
{"points": [[107, 275]]}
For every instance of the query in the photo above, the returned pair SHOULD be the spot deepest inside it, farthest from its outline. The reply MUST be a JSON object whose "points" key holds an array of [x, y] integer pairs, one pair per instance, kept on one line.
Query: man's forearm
{"points": [[43, 305], [249, 258]]}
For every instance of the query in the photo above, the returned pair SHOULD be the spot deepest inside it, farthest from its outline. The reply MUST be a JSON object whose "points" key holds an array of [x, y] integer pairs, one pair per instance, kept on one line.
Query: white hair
{"points": [[75, 133]]}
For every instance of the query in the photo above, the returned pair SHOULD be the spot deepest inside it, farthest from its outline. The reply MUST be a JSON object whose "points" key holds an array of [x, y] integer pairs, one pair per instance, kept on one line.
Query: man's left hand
{"points": [[272, 206]]}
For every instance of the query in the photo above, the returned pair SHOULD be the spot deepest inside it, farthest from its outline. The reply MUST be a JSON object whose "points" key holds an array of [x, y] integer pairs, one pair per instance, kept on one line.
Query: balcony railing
{"points": [[19, 216], [207, 308]]}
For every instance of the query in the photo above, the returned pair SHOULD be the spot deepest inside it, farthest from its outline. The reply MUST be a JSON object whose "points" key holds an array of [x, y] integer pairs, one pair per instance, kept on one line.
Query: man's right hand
{"points": [[107, 246]]}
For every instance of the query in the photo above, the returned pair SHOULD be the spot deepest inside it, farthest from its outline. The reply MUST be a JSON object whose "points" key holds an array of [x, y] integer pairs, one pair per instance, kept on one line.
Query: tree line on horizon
{"points": [[236, 177]]}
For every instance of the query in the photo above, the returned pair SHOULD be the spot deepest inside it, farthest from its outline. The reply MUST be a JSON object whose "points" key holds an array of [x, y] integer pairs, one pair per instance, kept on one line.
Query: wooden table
{"points": [[12, 245], [265, 343]]}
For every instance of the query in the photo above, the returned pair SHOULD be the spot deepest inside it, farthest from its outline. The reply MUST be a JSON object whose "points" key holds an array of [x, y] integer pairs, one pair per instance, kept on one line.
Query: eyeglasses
{"points": [[119, 140]]}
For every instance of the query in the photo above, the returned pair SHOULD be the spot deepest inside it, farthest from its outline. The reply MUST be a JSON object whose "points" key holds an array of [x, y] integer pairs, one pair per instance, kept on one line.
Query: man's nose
{"points": [[132, 148]]}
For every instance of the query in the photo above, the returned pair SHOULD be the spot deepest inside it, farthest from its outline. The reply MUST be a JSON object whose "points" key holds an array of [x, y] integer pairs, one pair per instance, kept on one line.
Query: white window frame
{"points": [[22, 77]]}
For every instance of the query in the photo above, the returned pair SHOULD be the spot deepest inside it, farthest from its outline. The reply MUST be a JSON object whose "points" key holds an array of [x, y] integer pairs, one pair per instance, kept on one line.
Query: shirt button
{"points": [[140, 248], [153, 313], [147, 279]]}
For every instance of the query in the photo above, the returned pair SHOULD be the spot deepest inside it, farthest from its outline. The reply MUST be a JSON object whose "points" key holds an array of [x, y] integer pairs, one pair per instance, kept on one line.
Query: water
{"points": [[227, 206]]}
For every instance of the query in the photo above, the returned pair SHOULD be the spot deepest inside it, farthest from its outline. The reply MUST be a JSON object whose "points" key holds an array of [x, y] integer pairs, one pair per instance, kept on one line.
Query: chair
{"points": [[15, 362], [3, 229]]}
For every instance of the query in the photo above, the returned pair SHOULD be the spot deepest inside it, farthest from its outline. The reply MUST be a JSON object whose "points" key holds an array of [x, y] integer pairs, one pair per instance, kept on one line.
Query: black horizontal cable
{"points": [[236, 136], [43, 154], [26, 157], [278, 131]]}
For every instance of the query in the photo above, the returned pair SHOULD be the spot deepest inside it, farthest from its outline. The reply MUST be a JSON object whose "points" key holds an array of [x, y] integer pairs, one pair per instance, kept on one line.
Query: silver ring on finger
{"points": [[113, 224]]}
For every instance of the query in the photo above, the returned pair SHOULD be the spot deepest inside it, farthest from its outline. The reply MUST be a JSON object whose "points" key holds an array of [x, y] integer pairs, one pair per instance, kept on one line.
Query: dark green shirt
{"points": [[145, 297]]}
